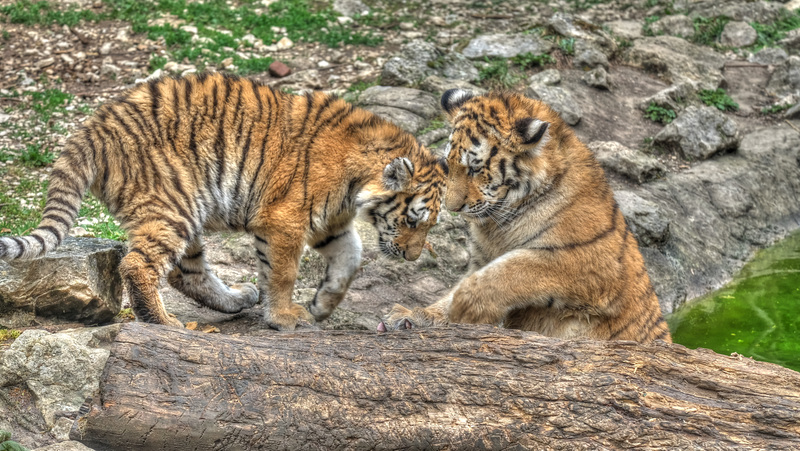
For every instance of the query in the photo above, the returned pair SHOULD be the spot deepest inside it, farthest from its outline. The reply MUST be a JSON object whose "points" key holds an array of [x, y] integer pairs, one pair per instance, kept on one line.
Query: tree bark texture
{"points": [[448, 388]]}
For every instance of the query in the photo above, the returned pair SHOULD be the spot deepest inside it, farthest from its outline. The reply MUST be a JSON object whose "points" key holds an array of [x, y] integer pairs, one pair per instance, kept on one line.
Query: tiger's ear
{"points": [[397, 175], [452, 99], [531, 130]]}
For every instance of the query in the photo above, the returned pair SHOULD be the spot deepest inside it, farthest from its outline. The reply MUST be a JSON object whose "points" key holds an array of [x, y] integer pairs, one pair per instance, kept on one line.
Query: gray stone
{"points": [[676, 60], [793, 112], [699, 133], [78, 281], [435, 135], [564, 24], [587, 55], [769, 56], [404, 119], [626, 29], [547, 77], [645, 219], [438, 85], [65, 446], [505, 46], [671, 97], [738, 34], [559, 100], [675, 25], [786, 78], [350, 8], [419, 59], [61, 369], [415, 101], [596, 78], [792, 41], [630, 163]]}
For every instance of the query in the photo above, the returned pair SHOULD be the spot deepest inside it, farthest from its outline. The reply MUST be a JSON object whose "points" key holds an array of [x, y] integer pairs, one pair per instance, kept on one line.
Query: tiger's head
{"points": [[406, 203], [495, 153]]}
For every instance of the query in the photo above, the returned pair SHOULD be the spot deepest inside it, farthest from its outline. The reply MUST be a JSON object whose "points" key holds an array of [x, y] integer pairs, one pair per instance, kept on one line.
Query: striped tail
{"points": [[72, 174]]}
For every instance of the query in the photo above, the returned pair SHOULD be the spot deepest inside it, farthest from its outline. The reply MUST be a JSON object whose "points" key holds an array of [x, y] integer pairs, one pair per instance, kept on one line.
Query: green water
{"points": [[756, 315]]}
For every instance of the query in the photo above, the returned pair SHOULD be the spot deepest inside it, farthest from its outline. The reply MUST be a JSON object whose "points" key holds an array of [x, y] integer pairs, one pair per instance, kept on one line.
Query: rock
{"points": [[630, 163], [645, 219], [596, 78], [786, 78], [350, 8], [505, 46], [438, 85], [625, 29], [419, 59], [65, 446], [547, 77], [564, 24], [745, 11], [105, 49], [284, 43], [435, 135], [793, 113], [109, 70], [559, 100], [670, 98], [61, 369], [408, 108], [154, 76], [674, 25], [78, 281], [46, 62], [279, 69], [676, 60], [699, 133], [738, 34], [588, 56], [769, 56], [4, 118]]}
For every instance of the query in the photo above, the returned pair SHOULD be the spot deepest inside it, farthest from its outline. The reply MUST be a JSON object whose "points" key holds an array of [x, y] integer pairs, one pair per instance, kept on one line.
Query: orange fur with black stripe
{"points": [[550, 248], [174, 157]]}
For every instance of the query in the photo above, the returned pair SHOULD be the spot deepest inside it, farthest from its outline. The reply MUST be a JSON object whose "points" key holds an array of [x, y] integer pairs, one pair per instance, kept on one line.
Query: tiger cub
{"points": [[174, 157], [550, 249]]}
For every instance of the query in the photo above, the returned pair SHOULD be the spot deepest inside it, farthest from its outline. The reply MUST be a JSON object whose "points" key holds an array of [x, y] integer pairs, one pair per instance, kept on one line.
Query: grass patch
{"points": [[774, 109], [435, 124], [649, 20], [708, 30], [495, 74], [157, 62], [5, 335], [719, 99], [659, 114], [34, 156], [770, 34], [567, 45], [529, 60]]}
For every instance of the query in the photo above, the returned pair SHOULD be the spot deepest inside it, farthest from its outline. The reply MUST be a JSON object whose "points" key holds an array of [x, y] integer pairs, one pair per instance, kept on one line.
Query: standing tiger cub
{"points": [[174, 157], [550, 249]]}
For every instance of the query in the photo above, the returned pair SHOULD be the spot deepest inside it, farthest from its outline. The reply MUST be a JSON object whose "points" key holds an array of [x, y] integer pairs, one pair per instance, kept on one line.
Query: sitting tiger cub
{"points": [[551, 252], [174, 157]]}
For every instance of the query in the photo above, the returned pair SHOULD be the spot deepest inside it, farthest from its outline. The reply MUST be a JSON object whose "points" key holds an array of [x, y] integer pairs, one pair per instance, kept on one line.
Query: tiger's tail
{"points": [[72, 174]]}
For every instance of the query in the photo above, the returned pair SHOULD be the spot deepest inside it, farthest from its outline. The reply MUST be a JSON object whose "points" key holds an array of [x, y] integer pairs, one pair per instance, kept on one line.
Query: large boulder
{"points": [[505, 46], [630, 163], [746, 11], [645, 218], [676, 60], [786, 78], [674, 25], [78, 281], [738, 34], [420, 59], [699, 133], [559, 99], [408, 108]]}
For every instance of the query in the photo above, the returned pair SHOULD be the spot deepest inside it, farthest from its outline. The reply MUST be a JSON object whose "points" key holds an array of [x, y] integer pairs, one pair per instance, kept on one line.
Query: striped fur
{"points": [[550, 248], [174, 157]]}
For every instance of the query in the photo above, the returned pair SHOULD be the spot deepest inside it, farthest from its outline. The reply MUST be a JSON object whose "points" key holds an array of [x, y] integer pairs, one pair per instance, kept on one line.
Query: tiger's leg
{"points": [[342, 252], [153, 248], [279, 259], [193, 277]]}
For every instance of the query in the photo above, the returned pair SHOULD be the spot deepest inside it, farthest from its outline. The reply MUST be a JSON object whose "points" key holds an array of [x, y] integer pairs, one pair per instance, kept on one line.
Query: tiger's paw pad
{"points": [[288, 319]]}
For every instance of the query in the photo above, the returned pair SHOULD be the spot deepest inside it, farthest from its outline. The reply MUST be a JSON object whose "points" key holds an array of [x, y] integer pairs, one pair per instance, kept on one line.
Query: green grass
{"points": [[567, 45], [435, 124], [34, 156], [303, 23], [495, 74], [719, 99], [708, 30], [770, 34], [776, 108], [157, 62], [659, 114], [5, 335], [529, 60], [646, 30]]}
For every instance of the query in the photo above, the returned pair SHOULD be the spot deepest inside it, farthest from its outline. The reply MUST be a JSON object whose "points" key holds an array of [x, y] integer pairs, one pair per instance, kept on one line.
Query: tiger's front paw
{"points": [[289, 318], [402, 318]]}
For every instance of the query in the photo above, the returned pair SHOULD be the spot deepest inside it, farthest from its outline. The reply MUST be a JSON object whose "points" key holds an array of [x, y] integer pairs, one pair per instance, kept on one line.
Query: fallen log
{"points": [[448, 388]]}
